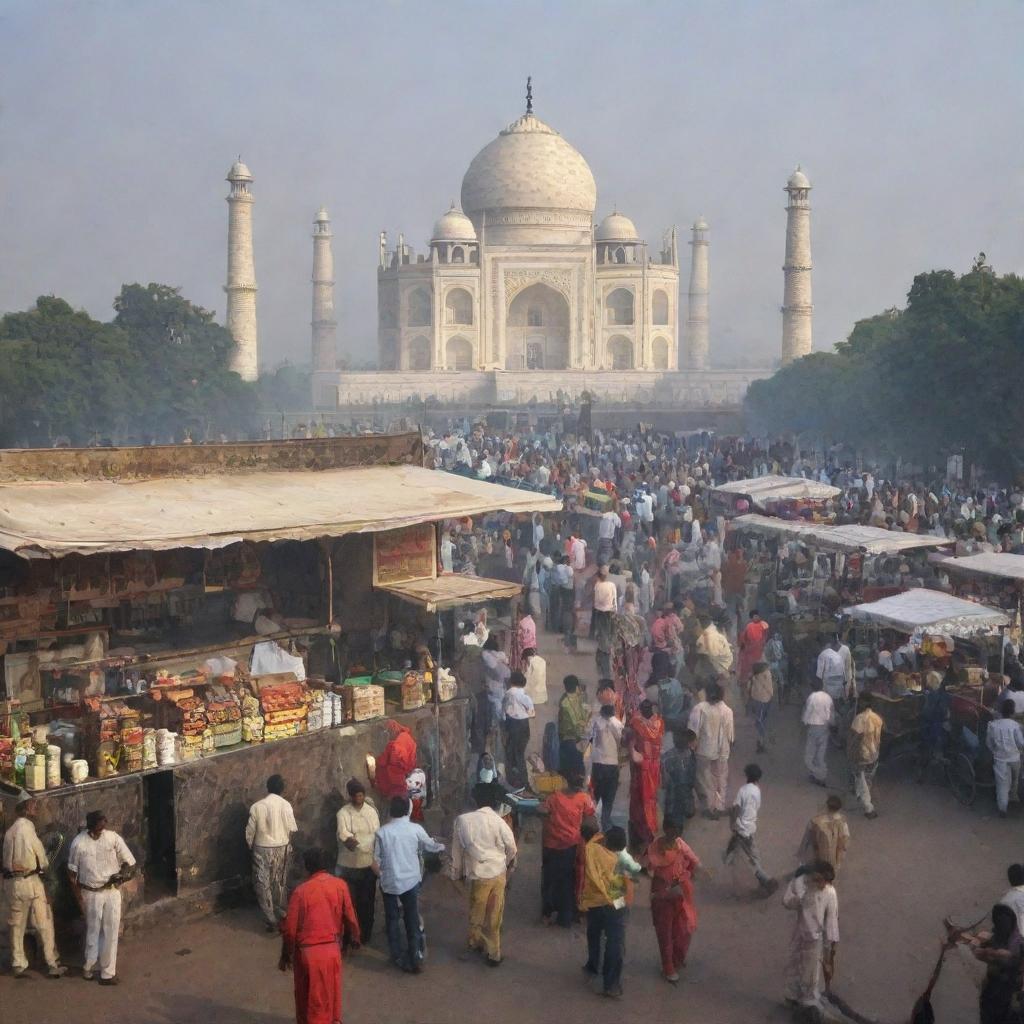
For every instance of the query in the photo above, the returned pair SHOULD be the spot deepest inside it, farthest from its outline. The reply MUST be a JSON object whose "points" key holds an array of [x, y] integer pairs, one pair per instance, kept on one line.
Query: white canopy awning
{"points": [[989, 563], [48, 518], [762, 488], [869, 539], [922, 610]]}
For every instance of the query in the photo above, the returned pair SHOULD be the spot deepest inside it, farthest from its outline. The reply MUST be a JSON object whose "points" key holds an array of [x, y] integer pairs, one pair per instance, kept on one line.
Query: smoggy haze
{"points": [[119, 122]]}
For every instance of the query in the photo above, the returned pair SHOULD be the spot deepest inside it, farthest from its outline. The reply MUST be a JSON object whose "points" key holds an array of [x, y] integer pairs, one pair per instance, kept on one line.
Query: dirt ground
{"points": [[924, 857]]}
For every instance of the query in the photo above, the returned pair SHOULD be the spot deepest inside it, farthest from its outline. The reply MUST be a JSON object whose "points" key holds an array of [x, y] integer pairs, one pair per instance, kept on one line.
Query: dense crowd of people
{"points": [[680, 648]]}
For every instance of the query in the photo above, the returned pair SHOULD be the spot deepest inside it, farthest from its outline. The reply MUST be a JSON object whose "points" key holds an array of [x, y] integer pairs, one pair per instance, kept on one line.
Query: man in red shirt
{"points": [[320, 916], [563, 815]]}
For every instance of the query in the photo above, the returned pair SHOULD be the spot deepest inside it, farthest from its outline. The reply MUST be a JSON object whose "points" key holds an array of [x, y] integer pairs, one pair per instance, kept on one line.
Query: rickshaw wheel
{"points": [[960, 775]]}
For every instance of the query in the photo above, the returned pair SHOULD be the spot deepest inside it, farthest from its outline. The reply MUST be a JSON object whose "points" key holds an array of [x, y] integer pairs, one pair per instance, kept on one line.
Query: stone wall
{"points": [[687, 390], [212, 797]]}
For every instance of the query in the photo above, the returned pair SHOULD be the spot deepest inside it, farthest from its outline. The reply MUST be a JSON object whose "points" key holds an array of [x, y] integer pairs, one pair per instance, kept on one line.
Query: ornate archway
{"points": [[537, 330]]}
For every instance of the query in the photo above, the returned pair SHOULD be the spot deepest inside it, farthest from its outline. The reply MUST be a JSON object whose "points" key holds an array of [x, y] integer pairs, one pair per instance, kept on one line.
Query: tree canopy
{"points": [[157, 371], [936, 377]]}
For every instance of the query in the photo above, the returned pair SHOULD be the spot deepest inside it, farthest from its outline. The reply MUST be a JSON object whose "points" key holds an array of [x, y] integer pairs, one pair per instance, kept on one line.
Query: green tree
{"points": [[157, 371], [938, 376]]}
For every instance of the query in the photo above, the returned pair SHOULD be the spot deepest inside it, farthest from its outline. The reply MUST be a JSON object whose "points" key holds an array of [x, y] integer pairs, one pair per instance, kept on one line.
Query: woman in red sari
{"points": [[672, 864], [751, 643], [645, 732]]}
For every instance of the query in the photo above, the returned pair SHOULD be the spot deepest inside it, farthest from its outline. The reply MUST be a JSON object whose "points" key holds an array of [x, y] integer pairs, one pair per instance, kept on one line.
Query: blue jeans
{"points": [[407, 906], [611, 923], [761, 709]]}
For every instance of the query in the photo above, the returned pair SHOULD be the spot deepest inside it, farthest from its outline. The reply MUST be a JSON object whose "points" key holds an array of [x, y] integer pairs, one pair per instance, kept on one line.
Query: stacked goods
{"points": [[316, 710], [53, 753], [193, 723], [252, 720], [284, 710], [407, 693], [166, 747], [334, 709], [363, 701], [149, 755], [6, 757], [225, 717], [131, 741]]}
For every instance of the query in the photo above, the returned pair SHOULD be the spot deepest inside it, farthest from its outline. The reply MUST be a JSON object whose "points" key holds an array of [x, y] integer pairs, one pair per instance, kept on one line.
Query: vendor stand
{"points": [[995, 577], [922, 632], [810, 568], [785, 496], [164, 606]]}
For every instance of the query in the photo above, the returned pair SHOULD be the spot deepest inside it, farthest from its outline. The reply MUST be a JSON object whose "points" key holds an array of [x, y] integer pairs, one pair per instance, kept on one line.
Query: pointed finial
{"points": [[529, 94]]}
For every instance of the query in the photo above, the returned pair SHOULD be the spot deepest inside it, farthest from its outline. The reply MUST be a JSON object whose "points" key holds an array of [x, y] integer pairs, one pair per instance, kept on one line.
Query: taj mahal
{"points": [[521, 294]]}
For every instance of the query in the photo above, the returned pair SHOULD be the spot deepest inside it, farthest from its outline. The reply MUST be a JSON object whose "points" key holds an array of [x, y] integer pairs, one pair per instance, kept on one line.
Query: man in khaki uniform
{"points": [[24, 861]]}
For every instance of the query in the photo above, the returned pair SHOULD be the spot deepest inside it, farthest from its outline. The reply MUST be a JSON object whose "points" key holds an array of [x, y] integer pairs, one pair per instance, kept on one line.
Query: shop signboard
{"points": [[406, 554]]}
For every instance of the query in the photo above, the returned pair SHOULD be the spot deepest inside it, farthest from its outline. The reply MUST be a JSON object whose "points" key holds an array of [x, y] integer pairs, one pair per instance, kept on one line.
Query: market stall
{"points": [[785, 496], [806, 571], [162, 607], [927, 657], [995, 577]]}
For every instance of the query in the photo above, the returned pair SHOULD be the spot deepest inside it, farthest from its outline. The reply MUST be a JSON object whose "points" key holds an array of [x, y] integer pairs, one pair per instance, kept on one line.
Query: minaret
{"points": [[324, 324], [241, 286], [697, 321], [796, 303]]}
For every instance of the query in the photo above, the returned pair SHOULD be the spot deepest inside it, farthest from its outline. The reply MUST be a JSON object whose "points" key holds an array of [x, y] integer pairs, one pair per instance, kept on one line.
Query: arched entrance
{"points": [[620, 353], [458, 354], [537, 330], [660, 352], [419, 354]]}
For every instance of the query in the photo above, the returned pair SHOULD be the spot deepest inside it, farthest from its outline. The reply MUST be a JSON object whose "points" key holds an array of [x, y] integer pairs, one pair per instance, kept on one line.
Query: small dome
{"points": [[454, 226], [239, 172], [321, 216], [798, 179], [616, 227], [700, 224]]}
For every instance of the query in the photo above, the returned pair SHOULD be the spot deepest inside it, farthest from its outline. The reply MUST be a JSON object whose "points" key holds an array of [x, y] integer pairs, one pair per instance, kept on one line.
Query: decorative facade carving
{"points": [[517, 280]]}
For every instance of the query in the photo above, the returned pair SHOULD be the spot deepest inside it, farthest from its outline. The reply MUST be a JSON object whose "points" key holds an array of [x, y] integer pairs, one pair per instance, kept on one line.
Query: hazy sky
{"points": [[119, 121]]}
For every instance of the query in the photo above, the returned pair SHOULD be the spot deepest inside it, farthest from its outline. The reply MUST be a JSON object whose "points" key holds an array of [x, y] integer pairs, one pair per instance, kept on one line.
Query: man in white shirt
{"points": [[484, 852], [743, 817], [606, 603], [357, 824], [835, 670], [712, 721], [606, 528], [98, 862], [604, 736], [268, 835], [577, 553], [24, 861], [818, 715], [815, 933], [1014, 896], [1004, 739], [517, 709]]}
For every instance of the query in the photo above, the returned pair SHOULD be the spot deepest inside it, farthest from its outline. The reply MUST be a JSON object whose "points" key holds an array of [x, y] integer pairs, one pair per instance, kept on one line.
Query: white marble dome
{"points": [[616, 227], [798, 179], [529, 166], [239, 172], [454, 226]]}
